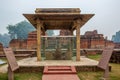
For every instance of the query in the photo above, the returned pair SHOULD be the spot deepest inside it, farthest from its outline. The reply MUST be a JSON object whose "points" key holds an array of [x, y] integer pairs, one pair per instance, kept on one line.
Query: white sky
{"points": [[106, 19]]}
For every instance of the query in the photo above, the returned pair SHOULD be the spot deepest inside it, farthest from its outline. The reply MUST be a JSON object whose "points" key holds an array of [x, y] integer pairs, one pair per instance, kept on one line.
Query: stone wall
{"points": [[90, 40], [18, 44], [93, 40]]}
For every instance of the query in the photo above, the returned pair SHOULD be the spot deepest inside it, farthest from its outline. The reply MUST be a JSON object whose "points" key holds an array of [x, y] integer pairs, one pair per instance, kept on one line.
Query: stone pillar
{"points": [[78, 40], [39, 24]]}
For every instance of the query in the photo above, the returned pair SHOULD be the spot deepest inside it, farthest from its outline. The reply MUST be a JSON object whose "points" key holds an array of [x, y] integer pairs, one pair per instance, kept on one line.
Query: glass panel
{"points": [[58, 47]]}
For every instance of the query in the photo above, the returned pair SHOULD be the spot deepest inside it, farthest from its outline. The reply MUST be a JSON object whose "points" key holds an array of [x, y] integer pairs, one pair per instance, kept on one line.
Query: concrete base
{"points": [[32, 61], [32, 65]]}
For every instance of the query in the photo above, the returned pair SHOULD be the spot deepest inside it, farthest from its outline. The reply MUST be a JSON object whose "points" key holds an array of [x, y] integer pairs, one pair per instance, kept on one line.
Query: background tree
{"points": [[50, 32], [20, 30], [5, 39], [116, 37]]}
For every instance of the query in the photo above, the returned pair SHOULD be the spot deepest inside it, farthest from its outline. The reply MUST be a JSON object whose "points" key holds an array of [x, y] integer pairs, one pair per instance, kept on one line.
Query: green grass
{"points": [[4, 59], [2, 64], [89, 75], [114, 74], [95, 57], [3, 76], [23, 76]]}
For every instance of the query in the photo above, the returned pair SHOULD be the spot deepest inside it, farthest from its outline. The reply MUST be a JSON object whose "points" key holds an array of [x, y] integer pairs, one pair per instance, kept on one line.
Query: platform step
{"points": [[59, 70], [60, 73], [59, 67]]}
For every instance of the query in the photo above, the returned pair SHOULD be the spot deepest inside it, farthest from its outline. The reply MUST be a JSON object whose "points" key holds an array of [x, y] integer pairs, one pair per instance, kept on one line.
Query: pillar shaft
{"points": [[78, 43], [38, 40]]}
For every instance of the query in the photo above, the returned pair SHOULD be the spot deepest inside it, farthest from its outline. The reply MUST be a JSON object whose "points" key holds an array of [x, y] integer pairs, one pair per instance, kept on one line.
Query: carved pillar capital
{"points": [[77, 22], [38, 21]]}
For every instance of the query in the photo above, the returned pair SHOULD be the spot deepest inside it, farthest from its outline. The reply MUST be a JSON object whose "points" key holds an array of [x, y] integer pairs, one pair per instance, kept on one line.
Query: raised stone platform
{"points": [[32, 65], [32, 61]]}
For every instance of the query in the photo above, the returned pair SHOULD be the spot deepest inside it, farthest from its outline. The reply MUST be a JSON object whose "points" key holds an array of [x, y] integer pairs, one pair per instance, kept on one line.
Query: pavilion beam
{"points": [[78, 40], [57, 20], [39, 25]]}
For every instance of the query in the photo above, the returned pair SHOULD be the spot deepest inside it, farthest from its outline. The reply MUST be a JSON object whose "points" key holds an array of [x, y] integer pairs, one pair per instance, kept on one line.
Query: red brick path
{"points": [[60, 73]]}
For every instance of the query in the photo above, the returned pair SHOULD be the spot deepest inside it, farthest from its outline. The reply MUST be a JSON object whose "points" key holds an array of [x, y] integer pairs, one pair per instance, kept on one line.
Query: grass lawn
{"points": [[23, 76], [95, 57], [114, 74], [3, 59]]}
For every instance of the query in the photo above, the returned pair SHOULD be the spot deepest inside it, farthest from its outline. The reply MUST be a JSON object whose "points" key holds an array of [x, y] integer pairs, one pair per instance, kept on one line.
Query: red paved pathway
{"points": [[60, 73]]}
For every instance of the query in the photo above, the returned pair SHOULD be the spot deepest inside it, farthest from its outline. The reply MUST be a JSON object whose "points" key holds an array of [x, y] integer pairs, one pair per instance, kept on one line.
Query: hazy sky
{"points": [[106, 19]]}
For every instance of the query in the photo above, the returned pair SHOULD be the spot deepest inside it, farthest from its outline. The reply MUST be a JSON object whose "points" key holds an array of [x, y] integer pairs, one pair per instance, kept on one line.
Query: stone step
{"points": [[60, 73], [59, 67], [59, 70]]}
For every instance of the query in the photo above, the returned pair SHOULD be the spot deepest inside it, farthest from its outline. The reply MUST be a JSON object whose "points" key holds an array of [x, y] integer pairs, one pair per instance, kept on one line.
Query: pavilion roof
{"points": [[58, 18]]}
